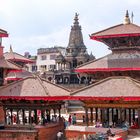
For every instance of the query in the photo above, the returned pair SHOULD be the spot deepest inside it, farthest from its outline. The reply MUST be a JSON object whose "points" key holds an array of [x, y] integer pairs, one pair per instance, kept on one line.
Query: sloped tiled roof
{"points": [[111, 87], [18, 74], [3, 33], [8, 64], [33, 87], [123, 29], [16, 57], [114, 60]]}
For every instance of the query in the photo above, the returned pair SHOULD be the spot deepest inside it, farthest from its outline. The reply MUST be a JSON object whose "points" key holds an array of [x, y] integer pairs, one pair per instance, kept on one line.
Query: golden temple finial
{"points": [[127, 19], [11, 50]]}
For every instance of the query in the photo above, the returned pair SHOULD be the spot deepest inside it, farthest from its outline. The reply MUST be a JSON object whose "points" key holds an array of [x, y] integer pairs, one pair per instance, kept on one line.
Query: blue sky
{"points": [[32, 24]]}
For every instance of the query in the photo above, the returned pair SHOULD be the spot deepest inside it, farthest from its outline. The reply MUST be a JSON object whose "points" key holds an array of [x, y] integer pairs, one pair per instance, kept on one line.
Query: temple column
{"points": [[133, 114], [121, 110], [101, 115], [23, 116], [96, 118], [54, 110], [43, 117], [17, 121], [11, 110], [125, 115], [129, 116], [139, 116], [113, 116], [108, 115], [56, 66], [49, 117], [87, 120], [117, 113], [91, 117], [29, 116], [5, 115], [59, 110], [35, 116]]}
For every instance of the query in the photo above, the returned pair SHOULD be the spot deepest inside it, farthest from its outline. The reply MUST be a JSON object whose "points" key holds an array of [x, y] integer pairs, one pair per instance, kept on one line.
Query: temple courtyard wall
{"points": [[38, 132]]}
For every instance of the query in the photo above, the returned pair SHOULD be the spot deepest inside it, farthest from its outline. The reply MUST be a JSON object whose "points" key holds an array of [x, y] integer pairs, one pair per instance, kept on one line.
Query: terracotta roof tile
{"points": [[15, 56], [115, 60], [8, 64], [33, 86], [119, 29], [111, 87]]}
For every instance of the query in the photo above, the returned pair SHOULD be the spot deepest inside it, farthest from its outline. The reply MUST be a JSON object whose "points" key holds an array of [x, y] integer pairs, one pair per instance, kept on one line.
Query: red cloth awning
{"points": [[88, 70]]}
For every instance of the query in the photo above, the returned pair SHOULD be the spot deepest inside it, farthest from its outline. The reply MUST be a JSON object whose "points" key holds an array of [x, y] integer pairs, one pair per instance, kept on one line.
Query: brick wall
{"points": [[17, 135], [1, 115], [50, 132]]}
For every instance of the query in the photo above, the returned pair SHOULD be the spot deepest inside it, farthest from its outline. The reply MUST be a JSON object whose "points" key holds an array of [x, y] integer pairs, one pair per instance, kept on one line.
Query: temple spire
{"points": [[127, 19], [132, 16], [76, 22], [11, 50]]}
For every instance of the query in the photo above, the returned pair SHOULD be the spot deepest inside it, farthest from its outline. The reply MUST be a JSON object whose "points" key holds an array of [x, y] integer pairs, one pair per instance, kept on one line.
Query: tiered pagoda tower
{"points": [[76, 54], [124, 42], [21, 61], [5, 65], [115, 94]]}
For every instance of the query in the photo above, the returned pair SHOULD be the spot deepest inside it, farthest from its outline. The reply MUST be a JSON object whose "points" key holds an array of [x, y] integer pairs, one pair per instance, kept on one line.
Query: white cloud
{"points": [[35, 23]]}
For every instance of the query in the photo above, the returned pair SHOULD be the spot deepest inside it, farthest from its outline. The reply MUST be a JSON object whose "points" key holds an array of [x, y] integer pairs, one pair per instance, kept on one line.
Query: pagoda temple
{"points": [[124, 42], [76, 54], [114, 96], [14, 75], [5, 65]]}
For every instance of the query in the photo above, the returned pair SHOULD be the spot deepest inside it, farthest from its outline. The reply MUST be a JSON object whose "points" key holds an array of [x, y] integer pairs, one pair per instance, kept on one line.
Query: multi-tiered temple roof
{"points": [[124, 42]]}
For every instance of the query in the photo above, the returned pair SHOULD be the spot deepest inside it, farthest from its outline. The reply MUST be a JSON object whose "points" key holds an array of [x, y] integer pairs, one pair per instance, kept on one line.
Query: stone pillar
{"points": [[91, 116]]}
